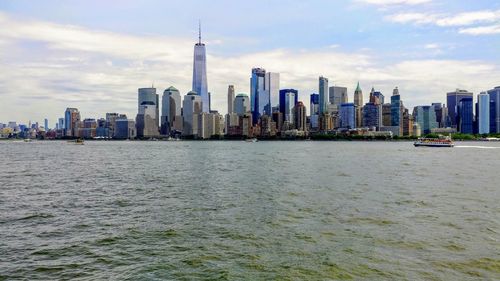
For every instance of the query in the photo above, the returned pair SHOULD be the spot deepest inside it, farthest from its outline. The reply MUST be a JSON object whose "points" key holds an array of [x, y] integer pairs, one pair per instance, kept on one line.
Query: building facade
{"points": [[483, 114], [323, 95], [200, 84], [170, 109], [453, 101], [425, 117]]}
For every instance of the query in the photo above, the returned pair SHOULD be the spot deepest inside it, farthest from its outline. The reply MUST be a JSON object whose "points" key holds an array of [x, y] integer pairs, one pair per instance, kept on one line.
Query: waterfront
{"points": [[238, 210]]}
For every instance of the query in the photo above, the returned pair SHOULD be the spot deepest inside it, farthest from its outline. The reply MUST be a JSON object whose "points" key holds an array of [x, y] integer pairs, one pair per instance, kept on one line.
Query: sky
{"points": [[94, 54]]}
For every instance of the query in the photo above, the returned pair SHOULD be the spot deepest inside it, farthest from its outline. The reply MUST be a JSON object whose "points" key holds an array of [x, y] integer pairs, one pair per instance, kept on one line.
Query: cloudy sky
{"points": [[94, 54]]}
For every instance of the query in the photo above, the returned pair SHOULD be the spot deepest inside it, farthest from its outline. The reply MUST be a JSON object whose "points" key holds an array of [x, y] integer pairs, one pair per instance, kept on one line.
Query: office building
{"points": [[337, 96], [230, 99], [288, 100], [372, 116], [148, 113], [358, 102], [453, 100], [323, 92], [71, 117], [483, 113], [170, 109], [494, 110], [259, 98], [192, 107], [465, 115], [272, 86], [396, 111], [425, 117], [241, 104], [347, 115], [200, 84], [300, 115]]}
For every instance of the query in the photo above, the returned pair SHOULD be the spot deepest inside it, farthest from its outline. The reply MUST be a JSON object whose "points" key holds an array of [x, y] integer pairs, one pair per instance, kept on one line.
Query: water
{"points": [[249, 211]]}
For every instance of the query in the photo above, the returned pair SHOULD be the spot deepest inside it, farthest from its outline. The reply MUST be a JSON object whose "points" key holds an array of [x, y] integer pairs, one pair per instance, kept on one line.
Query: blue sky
{"points": [[93, 55]]}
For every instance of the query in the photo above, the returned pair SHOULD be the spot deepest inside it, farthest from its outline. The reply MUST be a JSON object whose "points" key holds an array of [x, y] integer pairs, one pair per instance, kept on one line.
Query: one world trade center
{"points": [[200, 72]]}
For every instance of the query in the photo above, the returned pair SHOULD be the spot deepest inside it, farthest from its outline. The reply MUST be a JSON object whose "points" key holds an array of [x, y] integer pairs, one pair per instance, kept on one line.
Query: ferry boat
{"points": [[434, 142]]}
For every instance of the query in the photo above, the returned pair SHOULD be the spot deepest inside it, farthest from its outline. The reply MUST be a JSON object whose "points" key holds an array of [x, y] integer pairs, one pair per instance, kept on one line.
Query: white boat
{"points": [[252, 140], [434, 142]]}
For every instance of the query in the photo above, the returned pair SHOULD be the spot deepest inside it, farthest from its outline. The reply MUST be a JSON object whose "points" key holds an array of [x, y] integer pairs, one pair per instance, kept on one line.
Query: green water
{"points": [[249, 211]]}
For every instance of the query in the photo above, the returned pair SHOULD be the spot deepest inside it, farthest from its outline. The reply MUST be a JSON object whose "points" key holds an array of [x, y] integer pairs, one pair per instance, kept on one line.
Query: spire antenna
{"points": [[199, 31]]}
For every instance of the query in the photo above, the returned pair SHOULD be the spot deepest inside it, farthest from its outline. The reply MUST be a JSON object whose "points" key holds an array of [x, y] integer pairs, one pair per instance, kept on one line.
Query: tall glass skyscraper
{"points": [[453, 99], [200, 85], [466, 116], [483, 114], [494, 110], [372, 115], [288, 99], [347, 115], [170, 108], [323, 94], [259, 98], [396, 110], [272, 85], [425, 117]]}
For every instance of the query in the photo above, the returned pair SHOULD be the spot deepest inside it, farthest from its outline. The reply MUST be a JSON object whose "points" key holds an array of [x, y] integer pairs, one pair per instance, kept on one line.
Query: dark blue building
{"points": [[283, 101], [466, 116], [494, 110], [372, 115]]}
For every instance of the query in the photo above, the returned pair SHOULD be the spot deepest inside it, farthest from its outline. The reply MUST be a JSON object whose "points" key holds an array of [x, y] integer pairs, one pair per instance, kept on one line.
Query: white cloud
{"points": [[481, 30], [99, 71], [431, 46], [469, 18], [458, 20], [415, 18]]}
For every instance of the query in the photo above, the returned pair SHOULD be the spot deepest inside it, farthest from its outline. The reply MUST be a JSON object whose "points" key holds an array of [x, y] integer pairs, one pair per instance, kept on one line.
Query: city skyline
{"points": [[50, 62]]}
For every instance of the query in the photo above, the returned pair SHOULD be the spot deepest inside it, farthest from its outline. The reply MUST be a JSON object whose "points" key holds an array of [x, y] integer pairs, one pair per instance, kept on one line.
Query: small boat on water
{"points": [[252, 140], [434, 142], [27, 140], [77, 141]]}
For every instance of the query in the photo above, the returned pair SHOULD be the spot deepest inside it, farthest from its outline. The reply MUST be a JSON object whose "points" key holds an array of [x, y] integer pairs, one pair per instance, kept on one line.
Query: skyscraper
{"points": [[288, 100], [71, 117], [259, 97], [483, 114], [494, 110], [272, 85], [397, 111], [241, 104], [358, 102], [425, 117], [148, 112], [323, 92], [347, 115], [453, 100], [372, 115], [465, 115], [230, 99], [46, 124], [300, 112], [314, 104], [200, 85], [170, 109], [337, 96], [192, 108]]}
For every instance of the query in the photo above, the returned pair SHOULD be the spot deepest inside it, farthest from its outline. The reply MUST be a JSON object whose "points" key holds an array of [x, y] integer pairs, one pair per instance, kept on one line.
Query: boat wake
{"points": [[477, 146]]}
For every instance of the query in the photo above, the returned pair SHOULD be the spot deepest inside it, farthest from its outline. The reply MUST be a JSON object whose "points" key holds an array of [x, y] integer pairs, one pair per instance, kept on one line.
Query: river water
{"points": [[231, 210]]}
